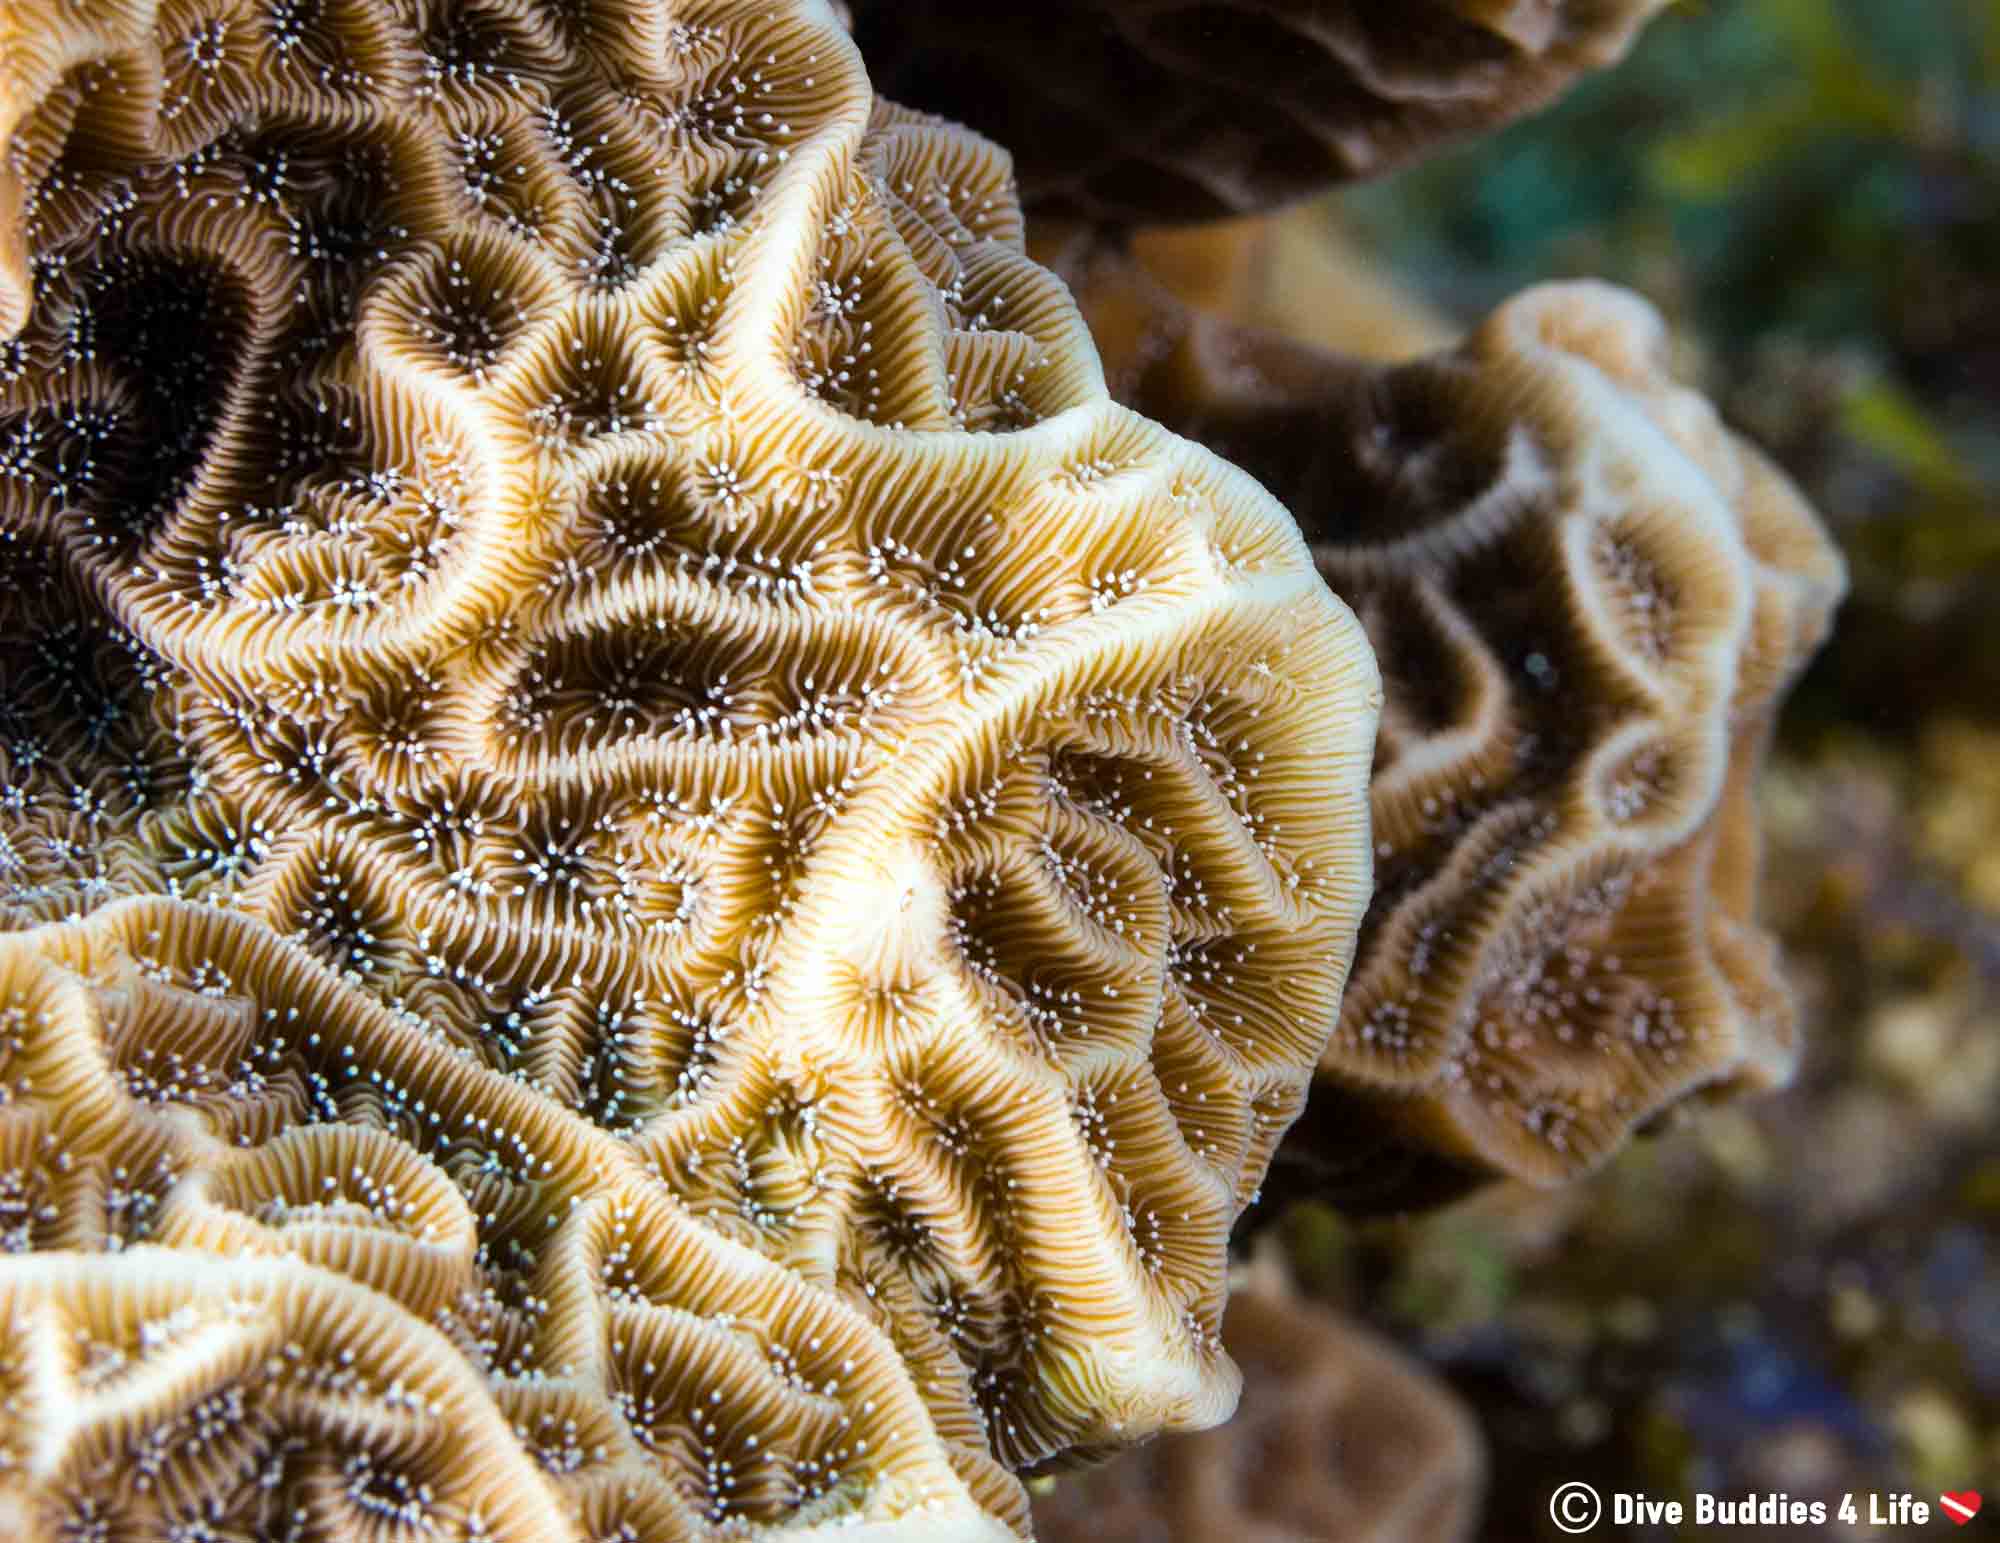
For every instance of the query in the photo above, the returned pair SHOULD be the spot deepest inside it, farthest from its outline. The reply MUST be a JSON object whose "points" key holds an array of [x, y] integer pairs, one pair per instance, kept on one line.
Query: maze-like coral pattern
{"points": [[1588, 598], [1589, 629], [1126, 112], [606, 732], [213, 1144]]}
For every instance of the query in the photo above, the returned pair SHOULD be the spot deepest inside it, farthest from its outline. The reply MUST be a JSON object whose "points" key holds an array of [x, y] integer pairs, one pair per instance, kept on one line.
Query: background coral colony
{"points": [[939, 771]]}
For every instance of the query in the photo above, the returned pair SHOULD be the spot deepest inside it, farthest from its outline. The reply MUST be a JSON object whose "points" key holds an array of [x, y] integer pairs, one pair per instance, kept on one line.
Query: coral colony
{"points": [[1587, 596], [662, 879]]}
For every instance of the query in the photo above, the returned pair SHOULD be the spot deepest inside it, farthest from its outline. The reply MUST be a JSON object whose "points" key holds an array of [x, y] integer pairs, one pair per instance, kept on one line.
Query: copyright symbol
{"points": [[1575, 1507]]}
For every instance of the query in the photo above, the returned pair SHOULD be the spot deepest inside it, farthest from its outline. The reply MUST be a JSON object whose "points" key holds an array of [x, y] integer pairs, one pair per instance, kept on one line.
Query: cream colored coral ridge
{"points": [[1588, 598], [605, 736], [1586, 636], [221, 1318], [1339, 1439]]}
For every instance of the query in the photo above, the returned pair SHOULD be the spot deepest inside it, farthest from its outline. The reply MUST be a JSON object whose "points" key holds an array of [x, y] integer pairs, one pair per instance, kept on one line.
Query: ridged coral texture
{"points": [[1132, 111], [621, 784], [1339, 1439], [1589, 598]]}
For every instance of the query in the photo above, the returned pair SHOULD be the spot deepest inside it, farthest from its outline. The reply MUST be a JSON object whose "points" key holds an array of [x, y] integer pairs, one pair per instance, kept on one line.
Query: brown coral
{"points": [[1588, 598], [1339, 1440], [1131, 111], [707, 813]]}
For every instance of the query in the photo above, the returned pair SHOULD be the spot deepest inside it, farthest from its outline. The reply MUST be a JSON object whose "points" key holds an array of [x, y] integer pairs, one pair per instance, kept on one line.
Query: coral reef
{"points": [[1812, 197], [659, 881], [605, 730], [1838, 1328], [1587, 597], [1791, 1293]]}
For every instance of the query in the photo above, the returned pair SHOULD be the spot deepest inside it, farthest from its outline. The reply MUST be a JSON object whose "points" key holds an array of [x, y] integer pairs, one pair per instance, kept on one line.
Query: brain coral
{"points": [[1140, 110], [1339, 1439], [611, 756], [1588, 597]]}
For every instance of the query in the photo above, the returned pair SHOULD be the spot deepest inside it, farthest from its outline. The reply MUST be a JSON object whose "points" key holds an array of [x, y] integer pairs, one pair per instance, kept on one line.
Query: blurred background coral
{"points": [[1800, 1293]]}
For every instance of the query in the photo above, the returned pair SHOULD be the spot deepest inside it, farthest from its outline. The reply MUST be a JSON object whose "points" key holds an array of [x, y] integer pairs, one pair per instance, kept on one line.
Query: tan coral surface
{"points": [[1588, 598], [1340, 1439], [1133, 111], [603, 730], [1296, 272]]}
